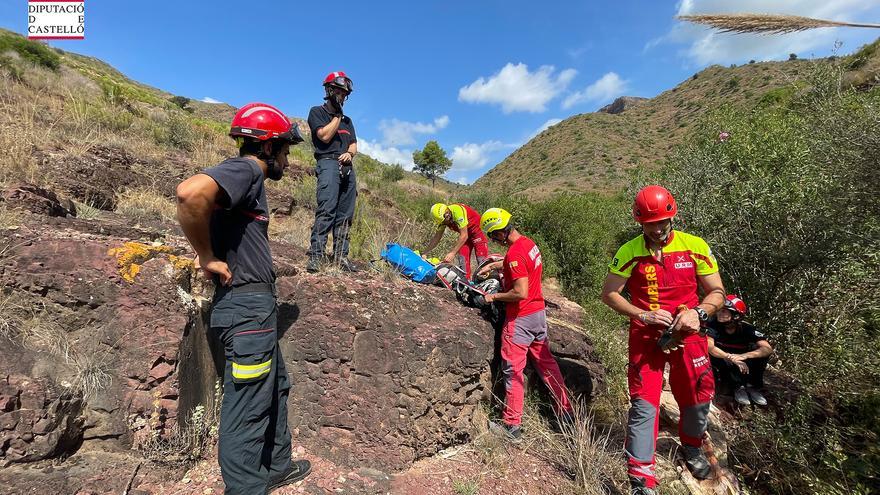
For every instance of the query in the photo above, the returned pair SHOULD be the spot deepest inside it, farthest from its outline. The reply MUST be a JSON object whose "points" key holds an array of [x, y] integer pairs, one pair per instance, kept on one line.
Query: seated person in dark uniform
{"points": [[739, 352]]}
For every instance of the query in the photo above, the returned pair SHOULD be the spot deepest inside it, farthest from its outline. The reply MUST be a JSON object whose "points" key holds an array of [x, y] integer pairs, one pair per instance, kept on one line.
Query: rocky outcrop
{"points": [[104, 348], [38, 420], [383, 373], [102, 172], [108, 343], [37, 200], [622, 104]]}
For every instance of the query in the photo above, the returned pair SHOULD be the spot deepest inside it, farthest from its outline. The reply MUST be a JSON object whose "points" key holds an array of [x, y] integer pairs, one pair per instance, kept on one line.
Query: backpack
{"points": [[408, 263]]}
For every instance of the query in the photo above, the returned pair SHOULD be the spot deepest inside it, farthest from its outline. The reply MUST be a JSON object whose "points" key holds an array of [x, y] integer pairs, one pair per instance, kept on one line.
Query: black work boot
{"points": [[696, 462], [637, 487], [297, 471], [346, 265], [511, 433], [314, 264]]}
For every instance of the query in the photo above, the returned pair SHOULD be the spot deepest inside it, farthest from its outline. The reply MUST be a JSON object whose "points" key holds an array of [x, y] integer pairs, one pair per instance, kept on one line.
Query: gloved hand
{"points": [[673, 337]]}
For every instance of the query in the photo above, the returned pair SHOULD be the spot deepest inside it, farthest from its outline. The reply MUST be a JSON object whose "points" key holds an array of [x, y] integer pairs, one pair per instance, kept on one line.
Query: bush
{"points": [[32, 51], [180, 101], [788, 205], [393, 173], [176, 132]]}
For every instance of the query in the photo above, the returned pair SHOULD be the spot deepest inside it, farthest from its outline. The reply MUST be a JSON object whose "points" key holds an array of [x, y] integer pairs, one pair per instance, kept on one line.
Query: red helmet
{"points": [[735, 304], [339, 80], [262, 122], [654, 203]]}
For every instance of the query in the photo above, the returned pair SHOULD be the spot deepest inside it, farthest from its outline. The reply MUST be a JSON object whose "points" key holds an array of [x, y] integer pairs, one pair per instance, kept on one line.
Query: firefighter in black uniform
{"points": [[335, 147], [224, 215]]}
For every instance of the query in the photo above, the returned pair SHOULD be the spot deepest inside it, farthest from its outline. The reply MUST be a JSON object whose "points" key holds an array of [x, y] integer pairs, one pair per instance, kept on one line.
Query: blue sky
{"points": [[481, 77]]}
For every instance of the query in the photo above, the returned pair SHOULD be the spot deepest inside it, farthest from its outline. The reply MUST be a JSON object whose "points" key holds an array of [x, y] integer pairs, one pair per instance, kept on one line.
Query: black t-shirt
{"points": [[745, 338], [319, 117], [240, 229]]}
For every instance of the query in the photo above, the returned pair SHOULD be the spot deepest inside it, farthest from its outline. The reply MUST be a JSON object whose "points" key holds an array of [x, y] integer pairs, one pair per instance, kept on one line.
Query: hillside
{"points": [[597, 151], [75, 123]]}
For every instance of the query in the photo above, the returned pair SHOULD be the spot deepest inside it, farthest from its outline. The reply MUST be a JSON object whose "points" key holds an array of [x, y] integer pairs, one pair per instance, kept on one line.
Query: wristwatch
{"points": [[702, 314]]}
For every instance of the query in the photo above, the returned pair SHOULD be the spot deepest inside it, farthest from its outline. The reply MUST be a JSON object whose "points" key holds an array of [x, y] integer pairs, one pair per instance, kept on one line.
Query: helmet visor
{"points": [[342, 83], [292, 135]]}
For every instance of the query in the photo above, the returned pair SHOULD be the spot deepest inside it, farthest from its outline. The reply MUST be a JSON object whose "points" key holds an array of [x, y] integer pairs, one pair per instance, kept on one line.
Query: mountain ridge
{"points": [[598, 151]]}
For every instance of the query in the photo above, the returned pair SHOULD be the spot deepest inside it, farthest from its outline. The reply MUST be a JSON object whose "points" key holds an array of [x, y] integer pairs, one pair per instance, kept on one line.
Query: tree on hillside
{"points": [[431, 161]]}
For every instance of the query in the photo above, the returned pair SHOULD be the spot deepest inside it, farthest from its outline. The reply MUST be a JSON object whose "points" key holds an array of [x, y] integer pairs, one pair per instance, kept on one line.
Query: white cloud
{"points": [[208, 99], [707, 46], [607, 88], [472, 156], [402, 133], [387, 154], [518, 90], [462, 180]]}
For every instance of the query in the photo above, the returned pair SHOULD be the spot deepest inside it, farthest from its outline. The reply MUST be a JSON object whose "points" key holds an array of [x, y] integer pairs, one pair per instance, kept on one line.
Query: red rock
{"points": [[8, 403], [161, 371]]}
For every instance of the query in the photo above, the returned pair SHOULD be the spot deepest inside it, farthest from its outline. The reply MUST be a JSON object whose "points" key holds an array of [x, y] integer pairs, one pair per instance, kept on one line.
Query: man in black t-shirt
{"points": [[738, 352], [335, 147], [224, 215]]}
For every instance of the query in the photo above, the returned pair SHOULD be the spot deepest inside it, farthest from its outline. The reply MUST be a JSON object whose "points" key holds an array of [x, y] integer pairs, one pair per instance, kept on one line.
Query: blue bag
{"points": [[408, 263]]}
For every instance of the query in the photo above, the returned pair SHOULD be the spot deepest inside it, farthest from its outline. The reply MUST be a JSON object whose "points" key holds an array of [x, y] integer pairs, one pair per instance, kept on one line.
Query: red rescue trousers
{"points": [[524, 337], [479, 246], [690, 377]]}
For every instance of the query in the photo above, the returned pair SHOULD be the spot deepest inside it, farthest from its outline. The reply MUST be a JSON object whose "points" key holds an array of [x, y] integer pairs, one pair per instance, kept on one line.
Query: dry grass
{"points": [[765, 23], [580, 448], [146, 204], [8, 218], [86, 211], [295, 229], [187, 441], [13, 312], [22, 132], [28, 322], [92, 373]]}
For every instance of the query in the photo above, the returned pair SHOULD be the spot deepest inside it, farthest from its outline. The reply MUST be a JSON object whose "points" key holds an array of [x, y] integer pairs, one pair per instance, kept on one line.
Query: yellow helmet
{"points": [[438, 212], [494, 219]]}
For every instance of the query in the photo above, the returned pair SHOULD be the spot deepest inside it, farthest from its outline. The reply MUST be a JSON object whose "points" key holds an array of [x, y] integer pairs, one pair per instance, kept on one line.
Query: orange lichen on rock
{"points": [[131, 255]]}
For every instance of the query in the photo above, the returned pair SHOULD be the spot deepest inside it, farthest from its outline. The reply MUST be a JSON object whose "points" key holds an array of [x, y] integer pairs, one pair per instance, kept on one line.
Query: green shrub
{"points": [[32, 51], [393, 173], [180, 101], [789, 207], [778, 96], [860, 58], [176, 132]]}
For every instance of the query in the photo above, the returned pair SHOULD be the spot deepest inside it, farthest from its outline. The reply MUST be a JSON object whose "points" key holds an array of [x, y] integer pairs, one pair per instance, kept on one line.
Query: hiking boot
{"points": [[346, 265], [314, 264], [696, 462], [637, 487], [511, 433], [756, 396], [297, 471], [742, 397]]}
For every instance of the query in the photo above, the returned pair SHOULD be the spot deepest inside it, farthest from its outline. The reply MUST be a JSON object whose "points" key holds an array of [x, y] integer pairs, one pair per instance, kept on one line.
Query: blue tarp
{"points": [[409, 263]]}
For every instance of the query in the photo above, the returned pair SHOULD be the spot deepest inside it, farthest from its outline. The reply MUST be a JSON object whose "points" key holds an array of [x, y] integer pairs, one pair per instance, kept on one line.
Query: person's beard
{"points": [[275, 171]]}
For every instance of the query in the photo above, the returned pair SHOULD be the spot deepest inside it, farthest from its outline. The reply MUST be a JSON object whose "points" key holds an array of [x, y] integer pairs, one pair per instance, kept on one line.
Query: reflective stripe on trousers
{"points": [[254, 439]]}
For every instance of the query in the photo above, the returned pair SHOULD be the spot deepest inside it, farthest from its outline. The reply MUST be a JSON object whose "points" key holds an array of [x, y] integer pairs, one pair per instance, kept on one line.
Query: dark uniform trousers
{"points": [[254, 436], [336, 201], [730, 375]]}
